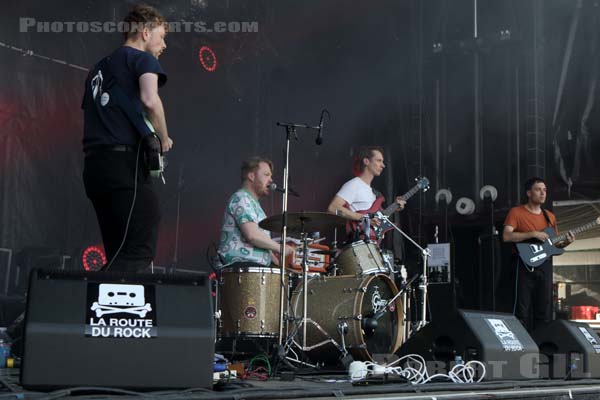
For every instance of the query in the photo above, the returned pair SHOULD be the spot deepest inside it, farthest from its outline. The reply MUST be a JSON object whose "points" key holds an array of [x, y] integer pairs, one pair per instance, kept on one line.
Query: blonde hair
{"points": [[143, 16]]}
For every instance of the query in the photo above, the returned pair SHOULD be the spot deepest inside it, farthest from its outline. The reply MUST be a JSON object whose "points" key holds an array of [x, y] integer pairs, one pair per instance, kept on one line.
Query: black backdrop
{"points": [[371, 64]]}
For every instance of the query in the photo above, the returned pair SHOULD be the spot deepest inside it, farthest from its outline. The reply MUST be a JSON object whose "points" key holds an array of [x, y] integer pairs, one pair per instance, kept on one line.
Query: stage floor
{"points": [[326, 386]]}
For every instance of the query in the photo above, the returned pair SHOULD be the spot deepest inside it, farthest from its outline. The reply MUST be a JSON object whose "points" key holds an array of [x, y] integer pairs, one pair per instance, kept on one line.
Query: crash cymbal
{"points": [[304, 221]]}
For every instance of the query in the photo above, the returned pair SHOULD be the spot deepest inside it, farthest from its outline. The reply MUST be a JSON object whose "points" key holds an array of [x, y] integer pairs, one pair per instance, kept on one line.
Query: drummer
{"points": [[242, 240], [356, 196]]}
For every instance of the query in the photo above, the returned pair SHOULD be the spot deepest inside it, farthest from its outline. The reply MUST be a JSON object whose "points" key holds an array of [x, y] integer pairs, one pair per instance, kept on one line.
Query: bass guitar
{"points": [[377, 232], [534, 253]]}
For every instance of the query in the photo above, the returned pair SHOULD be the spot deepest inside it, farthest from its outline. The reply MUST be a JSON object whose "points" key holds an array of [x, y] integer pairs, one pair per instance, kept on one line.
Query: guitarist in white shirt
{"points": [[356, 194], [533, 303]]}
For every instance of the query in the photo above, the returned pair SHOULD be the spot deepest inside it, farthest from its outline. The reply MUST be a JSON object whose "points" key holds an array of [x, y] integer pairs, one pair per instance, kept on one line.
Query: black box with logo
{"points": [[497, 340], [136, 331]]}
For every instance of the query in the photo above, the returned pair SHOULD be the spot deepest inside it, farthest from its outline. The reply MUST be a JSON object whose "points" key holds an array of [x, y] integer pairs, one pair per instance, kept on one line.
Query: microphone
{"points": [[273, 186], [369, 325], [319, 139]]}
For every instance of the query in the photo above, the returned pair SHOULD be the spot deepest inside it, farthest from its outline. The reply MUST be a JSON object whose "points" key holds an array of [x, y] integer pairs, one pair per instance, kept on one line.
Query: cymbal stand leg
{"points": [[334, 247], [304, 237], [405, 310]]}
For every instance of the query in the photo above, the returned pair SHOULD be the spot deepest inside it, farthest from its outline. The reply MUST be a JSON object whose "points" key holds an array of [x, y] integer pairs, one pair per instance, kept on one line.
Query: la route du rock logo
{"points": [[120, 312]]}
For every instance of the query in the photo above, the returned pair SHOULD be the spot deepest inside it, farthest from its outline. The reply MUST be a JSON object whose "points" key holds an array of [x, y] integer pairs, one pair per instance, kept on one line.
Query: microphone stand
{"points": [[290, 129], [402, 290], [425, 253]]}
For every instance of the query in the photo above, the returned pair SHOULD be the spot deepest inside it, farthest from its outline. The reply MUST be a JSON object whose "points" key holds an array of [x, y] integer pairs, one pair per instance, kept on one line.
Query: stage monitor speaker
{"points": [[134, 331], [568, 350], [498, 340]]}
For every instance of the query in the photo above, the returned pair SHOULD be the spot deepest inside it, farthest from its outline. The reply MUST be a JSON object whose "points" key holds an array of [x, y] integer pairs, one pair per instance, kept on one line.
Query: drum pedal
{"points": [[346, 360]]}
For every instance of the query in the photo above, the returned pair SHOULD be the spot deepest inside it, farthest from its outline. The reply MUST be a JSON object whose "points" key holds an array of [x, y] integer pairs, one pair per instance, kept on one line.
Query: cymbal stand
{"points": [[334, 247], [425, 253], [304, 238], [290, 129], [405, 298]]}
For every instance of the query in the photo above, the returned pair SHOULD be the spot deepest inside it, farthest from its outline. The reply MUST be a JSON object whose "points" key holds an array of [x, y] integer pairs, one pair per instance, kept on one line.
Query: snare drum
{"points": [[341, 304], [360, 258], [249, 301]]}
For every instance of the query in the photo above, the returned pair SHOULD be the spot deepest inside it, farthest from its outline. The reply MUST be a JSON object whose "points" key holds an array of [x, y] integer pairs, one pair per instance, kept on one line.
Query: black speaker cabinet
{"points": [[136, 331], [498, 340], [568, 350]]}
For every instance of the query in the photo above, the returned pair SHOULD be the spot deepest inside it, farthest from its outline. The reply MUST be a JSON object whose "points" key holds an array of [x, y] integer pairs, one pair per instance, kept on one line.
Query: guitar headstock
{"points": [[422, 183]]}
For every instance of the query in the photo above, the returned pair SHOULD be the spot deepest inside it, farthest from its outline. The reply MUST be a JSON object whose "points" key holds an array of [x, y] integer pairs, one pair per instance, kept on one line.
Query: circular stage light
{"points": [[93, 258], [465, 206], [444, 195], [207, 58], [488, 192]]}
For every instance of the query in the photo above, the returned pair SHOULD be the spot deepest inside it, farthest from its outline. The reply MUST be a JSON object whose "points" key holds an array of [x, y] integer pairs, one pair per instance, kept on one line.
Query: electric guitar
{"points": [[153, 155], [534, 253], [377, 232]]}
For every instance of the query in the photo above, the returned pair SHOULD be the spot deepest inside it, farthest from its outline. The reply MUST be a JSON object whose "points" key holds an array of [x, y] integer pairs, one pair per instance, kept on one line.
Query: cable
{"points": [[415, 370], [261, 373], [31, 53], [135, 184], [516, 287]]}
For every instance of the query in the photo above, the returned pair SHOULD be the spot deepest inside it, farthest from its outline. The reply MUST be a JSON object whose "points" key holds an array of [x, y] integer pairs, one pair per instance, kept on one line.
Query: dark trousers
{"points": [[109, 183], [534, 295]]}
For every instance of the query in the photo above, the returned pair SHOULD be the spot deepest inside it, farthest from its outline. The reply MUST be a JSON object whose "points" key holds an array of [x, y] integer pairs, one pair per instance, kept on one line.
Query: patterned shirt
{"points": [[233, 247]]}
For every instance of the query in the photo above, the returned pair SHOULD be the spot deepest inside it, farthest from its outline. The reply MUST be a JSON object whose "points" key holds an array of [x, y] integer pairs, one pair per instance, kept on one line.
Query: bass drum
{"points": [[348, 304], [249, 301]]}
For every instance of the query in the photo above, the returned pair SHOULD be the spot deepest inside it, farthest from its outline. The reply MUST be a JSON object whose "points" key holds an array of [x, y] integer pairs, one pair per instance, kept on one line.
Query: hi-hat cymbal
{"points": [[304, 221]]}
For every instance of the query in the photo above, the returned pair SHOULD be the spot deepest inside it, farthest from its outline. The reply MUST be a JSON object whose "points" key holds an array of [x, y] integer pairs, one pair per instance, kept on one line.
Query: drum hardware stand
{"points": [[405, 308], [334, 247], [290, 129], [305, 240], [217, 310], [401, 292], [343, 330], [425, 253]]}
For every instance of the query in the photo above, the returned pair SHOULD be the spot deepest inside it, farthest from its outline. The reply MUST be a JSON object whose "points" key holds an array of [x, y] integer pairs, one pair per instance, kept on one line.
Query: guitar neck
{"points": [[392, 207], [579, 229]]}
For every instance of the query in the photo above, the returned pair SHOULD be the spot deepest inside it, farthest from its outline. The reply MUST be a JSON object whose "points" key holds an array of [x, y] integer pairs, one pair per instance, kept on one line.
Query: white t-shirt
{"points": [[357, 194]]}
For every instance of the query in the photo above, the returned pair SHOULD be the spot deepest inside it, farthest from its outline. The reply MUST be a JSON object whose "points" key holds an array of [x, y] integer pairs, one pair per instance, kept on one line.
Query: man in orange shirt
{"points": [[534, 286]]}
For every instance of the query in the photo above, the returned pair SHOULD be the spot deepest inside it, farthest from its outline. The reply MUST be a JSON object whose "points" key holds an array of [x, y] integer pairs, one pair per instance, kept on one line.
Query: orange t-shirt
{"points": [[523, 220]]}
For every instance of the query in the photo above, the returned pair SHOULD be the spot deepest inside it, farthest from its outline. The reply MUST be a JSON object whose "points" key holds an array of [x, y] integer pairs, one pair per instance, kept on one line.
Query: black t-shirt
{"points": [[125, 65]]}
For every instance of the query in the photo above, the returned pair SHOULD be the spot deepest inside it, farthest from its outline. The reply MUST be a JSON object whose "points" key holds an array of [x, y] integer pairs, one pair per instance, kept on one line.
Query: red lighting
{"points": [[93, 258], [207, 58]]}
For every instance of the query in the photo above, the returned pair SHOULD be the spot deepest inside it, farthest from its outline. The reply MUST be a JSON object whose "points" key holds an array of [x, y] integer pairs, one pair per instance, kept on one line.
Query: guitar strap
{"points": [[547, 218]]}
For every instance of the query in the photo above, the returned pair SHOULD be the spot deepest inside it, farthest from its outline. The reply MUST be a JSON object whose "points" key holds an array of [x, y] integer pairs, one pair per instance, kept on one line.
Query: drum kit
{"points": [[336, 302]]}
